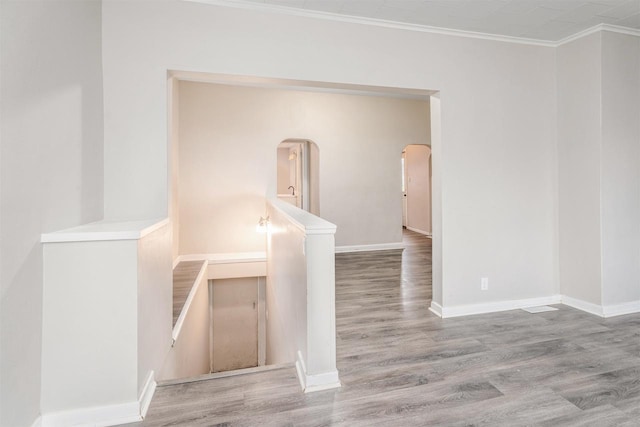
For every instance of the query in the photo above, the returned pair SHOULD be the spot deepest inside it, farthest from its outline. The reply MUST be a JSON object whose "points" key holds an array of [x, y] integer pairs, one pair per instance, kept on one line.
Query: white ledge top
{"points": [[105, 230], [308, 223]]}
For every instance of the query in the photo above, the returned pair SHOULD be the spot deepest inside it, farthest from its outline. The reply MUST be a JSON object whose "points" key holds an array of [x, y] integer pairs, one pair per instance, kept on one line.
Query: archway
{"points": [[297, 174]]}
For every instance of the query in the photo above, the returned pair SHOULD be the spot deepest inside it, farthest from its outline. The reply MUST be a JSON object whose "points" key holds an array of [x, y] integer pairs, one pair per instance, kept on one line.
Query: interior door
{"points": [[235, 324]]}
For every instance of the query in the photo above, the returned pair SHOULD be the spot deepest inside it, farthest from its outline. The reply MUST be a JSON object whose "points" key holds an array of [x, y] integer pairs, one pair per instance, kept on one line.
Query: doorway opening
{"points": [[237, 325], [416, 189], [297, 174]]}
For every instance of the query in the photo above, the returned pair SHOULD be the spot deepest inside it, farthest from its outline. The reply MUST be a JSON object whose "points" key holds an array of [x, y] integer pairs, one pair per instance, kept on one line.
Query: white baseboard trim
{"points": [[602, 310], [417, 230], [317, 382], [621, 309], [492, 307], [109, 415], [583, 305], [147, 393], [103, 416], [436, 308], [366, 248]]}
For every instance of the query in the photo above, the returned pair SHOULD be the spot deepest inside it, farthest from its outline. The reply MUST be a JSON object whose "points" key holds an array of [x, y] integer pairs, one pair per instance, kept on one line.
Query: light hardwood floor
{"points": [[400, 365]]}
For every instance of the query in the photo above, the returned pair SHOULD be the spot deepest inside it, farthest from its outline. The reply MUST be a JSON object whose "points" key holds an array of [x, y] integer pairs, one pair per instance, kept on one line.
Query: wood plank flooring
{"points": [[400, 365]]}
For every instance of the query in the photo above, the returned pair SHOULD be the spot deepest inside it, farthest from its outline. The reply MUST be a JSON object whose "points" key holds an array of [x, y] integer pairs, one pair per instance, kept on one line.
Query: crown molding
{"points": [[267, 7], [599, 28]]}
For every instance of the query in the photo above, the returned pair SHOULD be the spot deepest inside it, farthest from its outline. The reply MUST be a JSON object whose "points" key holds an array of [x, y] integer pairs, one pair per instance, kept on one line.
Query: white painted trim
{"points": [[176, 262], [147, 394], [621, 309], [109, 415], [597, 28], [301, 369], [605, 311], [205, 76], [105, 231], [187, 304], [226, 258], [366, 248], [436, 308], [583, 305], [491, 307], [306, 222], [266, 7], [318, 382], [417, 230], [324, 381]]}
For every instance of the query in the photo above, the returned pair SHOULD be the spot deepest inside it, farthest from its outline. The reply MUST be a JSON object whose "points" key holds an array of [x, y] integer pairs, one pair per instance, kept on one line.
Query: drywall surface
{"points": [[620, 171], [436, 199], [498, 123], [286, 290], [228, 161], [301, 316], [155, 303], [579, 152], [50, 169], [89, 308], [418, 186], [174, 126]]}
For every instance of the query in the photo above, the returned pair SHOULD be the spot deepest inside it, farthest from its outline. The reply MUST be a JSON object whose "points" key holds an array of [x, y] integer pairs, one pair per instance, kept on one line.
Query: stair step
{"points": [[216, 375], [184, 277]]}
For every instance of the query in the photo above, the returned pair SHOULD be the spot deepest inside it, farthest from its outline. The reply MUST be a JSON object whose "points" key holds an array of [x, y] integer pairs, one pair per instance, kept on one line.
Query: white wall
{"points": [[155, 303], [436, 199], [579, 152], [620, 171], [228, 161], [498, 122], [50, 171], [90, 339], [173, 94], [598, 154], [286, 290], [301, 316], [418, 187]]}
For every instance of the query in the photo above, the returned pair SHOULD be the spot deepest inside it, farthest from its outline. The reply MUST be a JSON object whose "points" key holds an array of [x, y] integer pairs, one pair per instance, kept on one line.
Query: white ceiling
{"points": [[545, 20]]}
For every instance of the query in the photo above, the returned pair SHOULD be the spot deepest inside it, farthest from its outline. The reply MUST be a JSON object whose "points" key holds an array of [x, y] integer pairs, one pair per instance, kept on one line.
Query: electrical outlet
{"points": [[484, 284]]}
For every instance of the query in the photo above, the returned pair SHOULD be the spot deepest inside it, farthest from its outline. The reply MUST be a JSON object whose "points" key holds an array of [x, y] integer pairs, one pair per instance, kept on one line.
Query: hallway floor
{"points": [[401, 365]]}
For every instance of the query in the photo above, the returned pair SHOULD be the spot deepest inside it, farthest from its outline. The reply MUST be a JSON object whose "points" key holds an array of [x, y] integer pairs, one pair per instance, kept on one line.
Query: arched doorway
{"points": [[297, 174]]}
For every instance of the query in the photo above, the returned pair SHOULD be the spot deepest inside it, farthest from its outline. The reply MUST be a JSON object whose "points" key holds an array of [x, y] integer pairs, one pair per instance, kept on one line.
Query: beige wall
{"points": [[51, 169], [228, 161]]}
